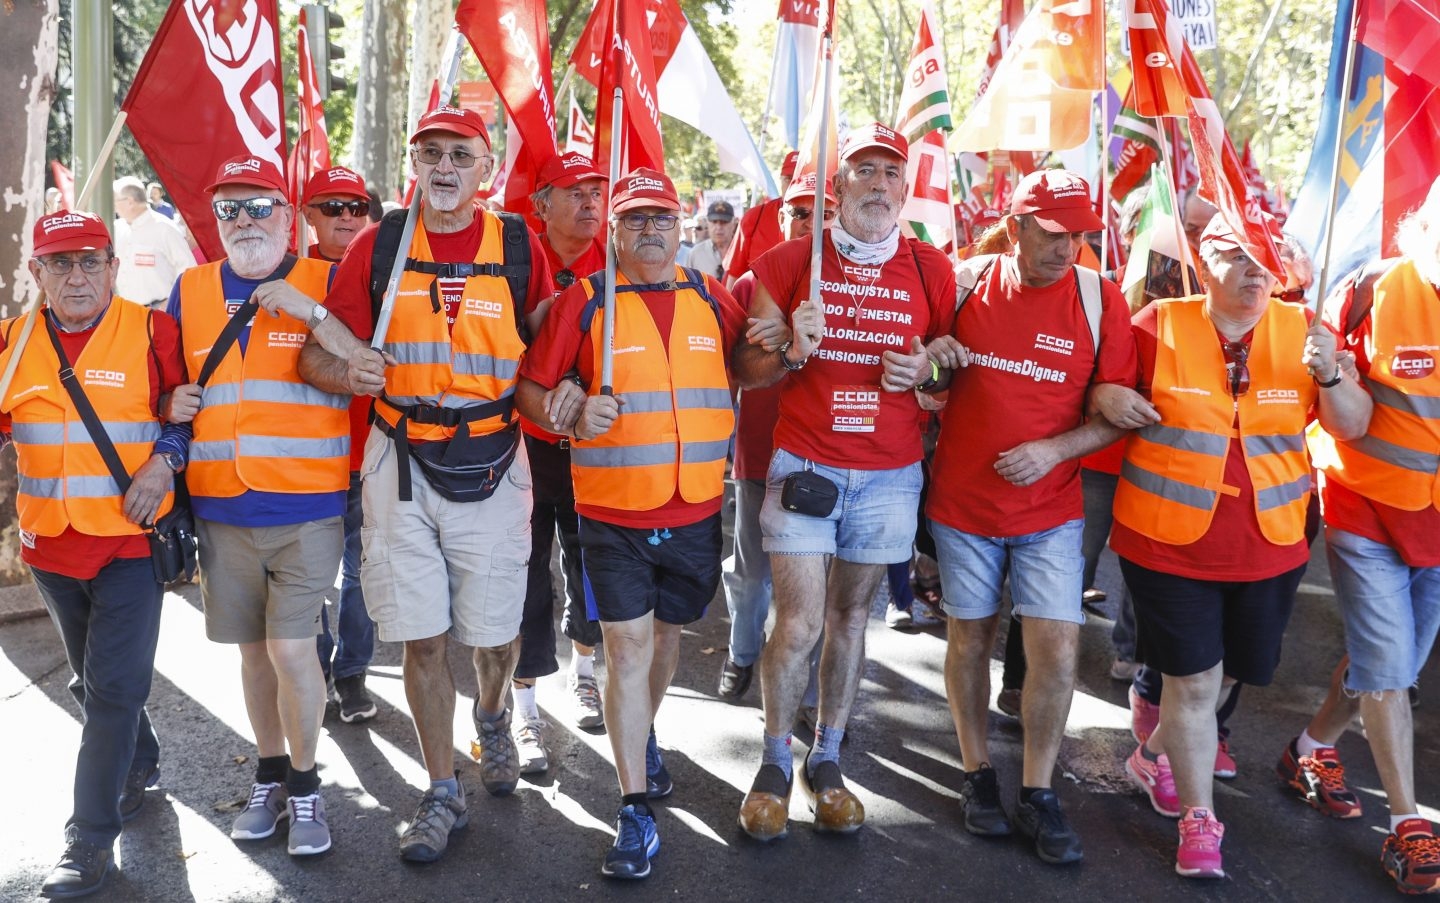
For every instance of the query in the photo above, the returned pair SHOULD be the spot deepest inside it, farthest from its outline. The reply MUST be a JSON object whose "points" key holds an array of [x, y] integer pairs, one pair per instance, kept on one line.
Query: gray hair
{"points": [[541, 197], [132, 188], [1297, 262]]}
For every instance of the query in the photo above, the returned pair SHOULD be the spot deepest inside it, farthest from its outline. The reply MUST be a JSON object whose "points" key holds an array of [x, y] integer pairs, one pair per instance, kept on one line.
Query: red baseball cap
{"points": [[1059, 200], [248, 169], [68, 230], [567, 170], [644, 187], [445, 118], [875, 135], [803, 188], [787, 169], [1223, 238], [335, 180]]}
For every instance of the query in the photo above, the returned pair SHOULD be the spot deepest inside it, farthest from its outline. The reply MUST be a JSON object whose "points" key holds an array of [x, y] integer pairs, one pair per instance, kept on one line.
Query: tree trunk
{"points": [[430, 29], [380, 96], [27, 88]]}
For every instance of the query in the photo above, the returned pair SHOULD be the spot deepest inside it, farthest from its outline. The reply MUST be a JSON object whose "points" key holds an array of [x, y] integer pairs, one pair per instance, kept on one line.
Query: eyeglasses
{"points": [[663, 222], [333, 208], [63, 266], [459, 157], [1292, 295], [1236, 354], [256, 208], [565, 278], [804, 213]]}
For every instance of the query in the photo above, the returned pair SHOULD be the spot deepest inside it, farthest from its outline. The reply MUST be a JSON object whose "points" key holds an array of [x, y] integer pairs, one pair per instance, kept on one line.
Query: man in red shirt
{"points": [[1033, 337], [761, 227], [649, 470], [337, 207], [570, 201], [849, 361]]}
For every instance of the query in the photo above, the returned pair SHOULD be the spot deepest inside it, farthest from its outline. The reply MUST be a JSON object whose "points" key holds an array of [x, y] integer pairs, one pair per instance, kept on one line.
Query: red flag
{"points": [[1012, 13], [1077, 30], [209, 88], [311, 152], [65, 181], [512, 40], [1158, 88], [1404, 32], [630, 54], [1412, 146]]}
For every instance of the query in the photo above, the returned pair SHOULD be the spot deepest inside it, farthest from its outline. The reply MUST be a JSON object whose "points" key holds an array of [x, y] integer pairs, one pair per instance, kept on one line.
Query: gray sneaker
{"points": [[264, 811], [589, 712], [494, 749], [439, 815], [309, 829], [530, 746]]}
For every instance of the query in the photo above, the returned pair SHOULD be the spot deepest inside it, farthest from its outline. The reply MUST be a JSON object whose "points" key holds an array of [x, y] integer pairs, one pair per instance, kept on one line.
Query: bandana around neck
{"points": [[864, 252]]}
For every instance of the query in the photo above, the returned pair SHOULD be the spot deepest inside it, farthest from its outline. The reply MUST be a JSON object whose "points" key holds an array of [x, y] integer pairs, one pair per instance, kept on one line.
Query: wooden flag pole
{"points": [[617, 121], [817, 235], [1176, 212], [1347, 81]]}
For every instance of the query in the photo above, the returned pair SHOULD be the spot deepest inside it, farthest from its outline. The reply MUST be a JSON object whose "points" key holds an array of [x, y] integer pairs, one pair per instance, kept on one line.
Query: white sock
{"points": [[582, 665], [525, 704], [1306, 745], [1395, 820]]}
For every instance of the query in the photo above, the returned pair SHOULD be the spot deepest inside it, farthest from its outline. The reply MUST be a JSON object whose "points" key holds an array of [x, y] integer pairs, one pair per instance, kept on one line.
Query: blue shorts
{"points": [[1391, 611], [873, 521], [1045, 570]]}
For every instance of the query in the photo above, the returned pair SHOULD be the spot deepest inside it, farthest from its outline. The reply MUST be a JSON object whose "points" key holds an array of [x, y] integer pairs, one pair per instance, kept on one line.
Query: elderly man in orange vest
{"points": [[268, 473], [1210, 509], [649, 469], [80, 534]]}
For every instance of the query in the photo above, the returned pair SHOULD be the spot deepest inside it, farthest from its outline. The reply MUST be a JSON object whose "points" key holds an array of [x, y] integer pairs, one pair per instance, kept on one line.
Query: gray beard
{"points": [[254, 259]]}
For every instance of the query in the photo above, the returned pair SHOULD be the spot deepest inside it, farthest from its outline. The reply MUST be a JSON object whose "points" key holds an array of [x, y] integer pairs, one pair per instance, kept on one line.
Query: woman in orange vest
{"points": [[1210, 510]]}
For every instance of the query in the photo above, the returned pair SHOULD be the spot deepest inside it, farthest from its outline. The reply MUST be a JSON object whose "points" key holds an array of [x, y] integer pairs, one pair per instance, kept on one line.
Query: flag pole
{"points": [[617, 121], [1105, 212], [81, 202], [449, 70], [1347, 81], [1184, 246], [951, 171], [817, 234], [565, 81]]}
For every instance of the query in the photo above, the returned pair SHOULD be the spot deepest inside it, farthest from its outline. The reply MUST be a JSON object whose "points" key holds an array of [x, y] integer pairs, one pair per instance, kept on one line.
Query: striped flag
{"points": [[797, 44], [924, 111], [1156, 252]]}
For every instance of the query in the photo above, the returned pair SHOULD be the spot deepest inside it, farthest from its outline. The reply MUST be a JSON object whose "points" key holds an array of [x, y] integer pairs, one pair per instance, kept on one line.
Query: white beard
{"points": [[253, 258]]}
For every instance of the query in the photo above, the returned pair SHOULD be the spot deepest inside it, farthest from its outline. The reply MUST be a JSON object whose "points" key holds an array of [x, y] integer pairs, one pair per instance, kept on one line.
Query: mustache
{"points": [[656, 241]]}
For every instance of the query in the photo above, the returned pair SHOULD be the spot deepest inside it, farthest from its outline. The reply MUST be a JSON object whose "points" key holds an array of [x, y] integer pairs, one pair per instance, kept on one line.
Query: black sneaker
{"points": [[355, 702], [1040, 819], [735, 679], [132, 797], [82, 870], [657, 777], [980, 803]]}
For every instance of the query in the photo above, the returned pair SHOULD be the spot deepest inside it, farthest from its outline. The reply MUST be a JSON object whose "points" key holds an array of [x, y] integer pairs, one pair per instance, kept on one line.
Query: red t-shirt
{"points": [[1414, 535], [591, 260], [759, 232], [80, 555], [759, 409], [1233, 548], [1032, 363], [833, 411], [561, 347]]}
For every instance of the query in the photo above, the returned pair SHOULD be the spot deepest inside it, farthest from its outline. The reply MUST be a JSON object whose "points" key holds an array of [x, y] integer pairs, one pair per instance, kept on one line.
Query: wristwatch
{"points": [[1333, 381], [318, 315], [176, 463], [785, 362], [929, 382]]}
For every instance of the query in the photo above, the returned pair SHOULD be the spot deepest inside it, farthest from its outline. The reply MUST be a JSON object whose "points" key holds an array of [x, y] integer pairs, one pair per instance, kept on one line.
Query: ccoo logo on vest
{"points": [[114, 379], [1412, 363]]}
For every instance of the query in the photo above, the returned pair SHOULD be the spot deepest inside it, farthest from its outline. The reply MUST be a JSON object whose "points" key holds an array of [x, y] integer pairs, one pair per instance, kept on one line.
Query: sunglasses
{"points": [[64, 266], [663, 222], [1236, 355], [1292, 295], [256, 208], [459, 158], [804, 213], [333, 208]]}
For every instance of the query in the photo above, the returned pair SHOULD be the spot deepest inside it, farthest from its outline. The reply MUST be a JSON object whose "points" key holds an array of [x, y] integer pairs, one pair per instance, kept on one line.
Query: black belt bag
{"points": [[806, 492], [174, 551], [464, 469]]}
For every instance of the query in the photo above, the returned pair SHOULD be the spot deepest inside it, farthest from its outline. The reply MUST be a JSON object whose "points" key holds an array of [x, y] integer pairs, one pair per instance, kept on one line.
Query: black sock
{"points": [[303, 783], [272, 770], [1027, 792], [638, 801]]}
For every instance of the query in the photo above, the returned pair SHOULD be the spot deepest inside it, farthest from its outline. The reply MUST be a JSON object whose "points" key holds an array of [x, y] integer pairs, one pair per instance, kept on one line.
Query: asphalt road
{"points": [[546, 841]]}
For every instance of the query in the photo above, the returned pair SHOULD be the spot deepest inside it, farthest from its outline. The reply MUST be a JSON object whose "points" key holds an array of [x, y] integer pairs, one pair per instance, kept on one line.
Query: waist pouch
{"points": [[806, 492], [173, 548], [468, 468]]}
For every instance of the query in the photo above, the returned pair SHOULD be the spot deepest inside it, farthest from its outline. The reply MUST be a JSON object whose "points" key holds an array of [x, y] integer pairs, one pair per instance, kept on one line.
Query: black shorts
{"points": [[1185, 626], [629, 571]]}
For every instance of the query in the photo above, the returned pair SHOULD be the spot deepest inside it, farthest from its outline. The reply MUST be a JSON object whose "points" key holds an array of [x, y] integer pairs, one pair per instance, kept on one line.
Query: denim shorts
{"points": [[1391, 611], [873, 521], [1045, 571]]}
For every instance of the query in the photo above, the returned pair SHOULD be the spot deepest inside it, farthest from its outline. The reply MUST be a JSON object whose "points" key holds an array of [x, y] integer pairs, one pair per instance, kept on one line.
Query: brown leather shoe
{"points": [[766, 811], [837, 810]]}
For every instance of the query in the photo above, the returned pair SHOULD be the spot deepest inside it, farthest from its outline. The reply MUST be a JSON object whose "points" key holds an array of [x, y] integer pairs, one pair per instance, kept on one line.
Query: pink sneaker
{"points": [[1155, 778], [1199, 852], [1144, 717], [1225, 766]]}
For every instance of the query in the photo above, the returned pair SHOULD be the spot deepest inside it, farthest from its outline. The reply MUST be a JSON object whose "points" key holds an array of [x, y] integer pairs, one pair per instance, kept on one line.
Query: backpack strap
{"points": [[969, 275], [1364, 292], [694, 279]]}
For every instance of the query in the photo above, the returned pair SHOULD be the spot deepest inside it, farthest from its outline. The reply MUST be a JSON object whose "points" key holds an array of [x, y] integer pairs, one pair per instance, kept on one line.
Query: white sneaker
{"points": [[588, 709], [898, 618], [530, 746]]}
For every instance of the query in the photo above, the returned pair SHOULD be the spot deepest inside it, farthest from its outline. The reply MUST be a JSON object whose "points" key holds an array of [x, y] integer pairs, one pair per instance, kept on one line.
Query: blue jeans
{"points": [[1391, 611], [873, 521], [747, 580], [109, 625], [353, 645], [1044, 570]]}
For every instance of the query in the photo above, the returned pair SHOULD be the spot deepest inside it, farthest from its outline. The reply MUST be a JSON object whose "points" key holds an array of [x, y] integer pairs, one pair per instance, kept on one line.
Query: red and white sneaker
{"points": [[1155, 778], [1199, 852], [1225, 766], [1411, 856], [1144, 717], [1320, 778]]}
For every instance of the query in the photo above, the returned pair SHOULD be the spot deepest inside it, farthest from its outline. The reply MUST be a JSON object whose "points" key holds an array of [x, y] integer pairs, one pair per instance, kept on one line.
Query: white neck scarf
{"points": [[864, 252]]}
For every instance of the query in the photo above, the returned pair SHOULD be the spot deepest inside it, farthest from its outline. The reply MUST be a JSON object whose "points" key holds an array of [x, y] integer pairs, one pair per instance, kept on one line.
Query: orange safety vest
{"points": [[260, 425], [1397, 461], [1174, 471], [473, 363], [676, 415], [63, 479]]}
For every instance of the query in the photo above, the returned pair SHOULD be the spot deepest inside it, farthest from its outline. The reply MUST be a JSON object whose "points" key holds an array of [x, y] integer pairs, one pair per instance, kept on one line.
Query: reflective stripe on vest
{"points": [[62, 479], [1397, 462], [473, 362], [1174, 472], [261, 426], [676, 416]]}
